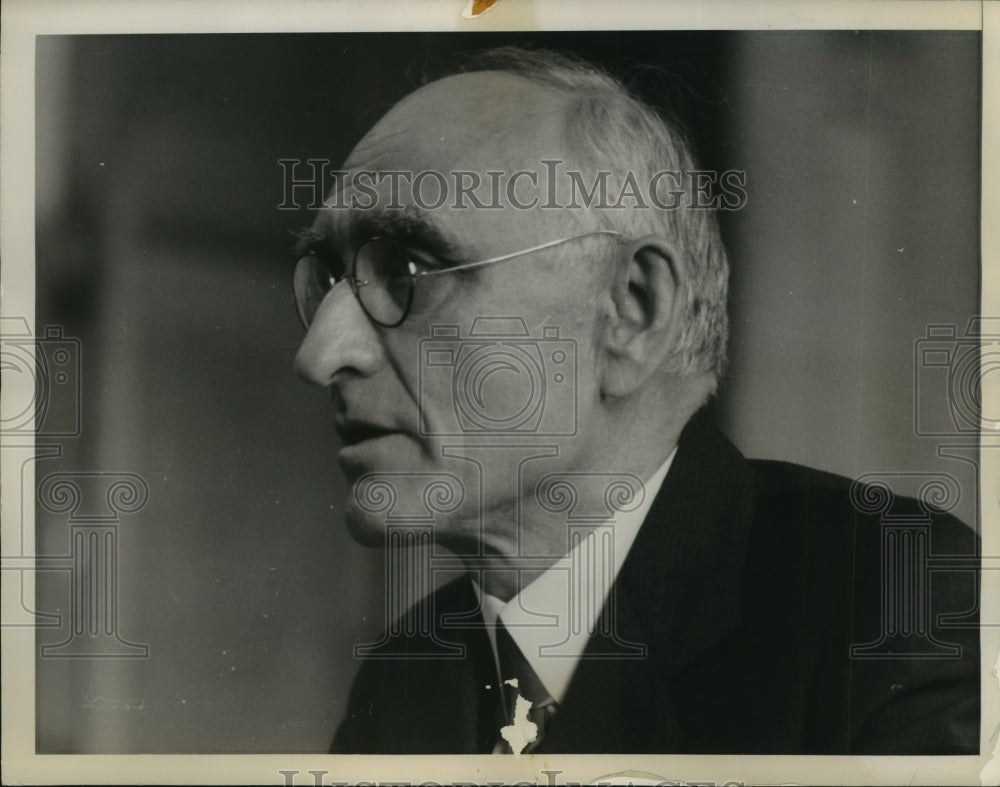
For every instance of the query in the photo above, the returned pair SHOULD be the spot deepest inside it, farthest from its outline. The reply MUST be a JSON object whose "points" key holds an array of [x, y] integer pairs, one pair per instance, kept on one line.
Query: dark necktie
{"points": [[514, 666]]}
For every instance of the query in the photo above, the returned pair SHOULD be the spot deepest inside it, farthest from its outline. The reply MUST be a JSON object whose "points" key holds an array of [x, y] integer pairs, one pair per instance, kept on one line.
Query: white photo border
{"points": [[25, 19]]}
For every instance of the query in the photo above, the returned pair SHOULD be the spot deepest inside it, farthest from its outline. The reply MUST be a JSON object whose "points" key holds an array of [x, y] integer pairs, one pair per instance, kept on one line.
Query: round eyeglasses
{"points": [[384, 278]]}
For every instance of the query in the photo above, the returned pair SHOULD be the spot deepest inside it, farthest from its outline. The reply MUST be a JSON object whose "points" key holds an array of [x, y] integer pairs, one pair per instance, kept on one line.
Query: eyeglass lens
{"points": [[382, 282]]}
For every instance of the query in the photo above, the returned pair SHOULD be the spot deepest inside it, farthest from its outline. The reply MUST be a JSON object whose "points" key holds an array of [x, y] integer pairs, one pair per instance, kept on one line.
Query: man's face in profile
{"points": [[395, 405]]}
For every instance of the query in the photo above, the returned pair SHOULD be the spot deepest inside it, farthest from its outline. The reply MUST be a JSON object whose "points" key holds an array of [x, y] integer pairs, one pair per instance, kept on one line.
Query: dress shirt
{"points": [[552, 647]]}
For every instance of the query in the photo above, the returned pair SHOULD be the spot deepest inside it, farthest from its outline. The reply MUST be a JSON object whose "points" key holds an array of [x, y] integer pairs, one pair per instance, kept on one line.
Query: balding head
{"points": [[473, 121], [594, 124]]}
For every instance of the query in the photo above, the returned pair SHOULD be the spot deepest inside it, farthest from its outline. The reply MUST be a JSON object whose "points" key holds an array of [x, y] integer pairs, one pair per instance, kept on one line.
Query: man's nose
{"points": [[341, 338]]}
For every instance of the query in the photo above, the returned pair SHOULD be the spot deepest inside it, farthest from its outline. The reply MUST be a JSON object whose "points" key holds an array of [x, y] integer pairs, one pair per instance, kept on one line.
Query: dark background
{"points": [[161, 248]]}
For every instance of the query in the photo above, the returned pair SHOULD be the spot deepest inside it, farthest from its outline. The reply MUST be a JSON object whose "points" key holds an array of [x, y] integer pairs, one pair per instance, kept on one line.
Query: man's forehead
{"points": [[482, 122], [476, 121]]}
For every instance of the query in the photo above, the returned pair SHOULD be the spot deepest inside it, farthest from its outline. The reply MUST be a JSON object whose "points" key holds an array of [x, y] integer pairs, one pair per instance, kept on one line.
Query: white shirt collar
{"points": [[554, 649]]}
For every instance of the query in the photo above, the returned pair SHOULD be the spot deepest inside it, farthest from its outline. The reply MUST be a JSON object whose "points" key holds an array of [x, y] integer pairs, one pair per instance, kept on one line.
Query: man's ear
{"points": [[648, 294]]}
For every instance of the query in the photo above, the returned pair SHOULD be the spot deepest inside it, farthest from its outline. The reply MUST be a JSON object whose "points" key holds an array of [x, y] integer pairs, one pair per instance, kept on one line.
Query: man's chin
{"points": [[371, 530], [367, 530]]}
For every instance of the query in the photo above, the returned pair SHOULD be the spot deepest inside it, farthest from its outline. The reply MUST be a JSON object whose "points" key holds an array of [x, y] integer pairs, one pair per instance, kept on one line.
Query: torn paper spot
{"points": [[522, 731], [476, 8], [991, 773]]}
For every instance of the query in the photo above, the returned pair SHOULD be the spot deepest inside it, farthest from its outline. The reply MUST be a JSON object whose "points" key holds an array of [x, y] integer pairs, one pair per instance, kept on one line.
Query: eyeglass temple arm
{"points": [[513, 254]]}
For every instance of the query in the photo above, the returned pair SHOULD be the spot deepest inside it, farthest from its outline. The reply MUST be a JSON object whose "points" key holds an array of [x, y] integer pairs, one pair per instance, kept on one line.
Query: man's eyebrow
{"points": [[405, 224]]}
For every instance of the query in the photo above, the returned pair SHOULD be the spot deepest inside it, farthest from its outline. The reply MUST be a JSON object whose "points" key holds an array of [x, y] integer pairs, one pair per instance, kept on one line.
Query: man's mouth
{"points": [[354, 433]]}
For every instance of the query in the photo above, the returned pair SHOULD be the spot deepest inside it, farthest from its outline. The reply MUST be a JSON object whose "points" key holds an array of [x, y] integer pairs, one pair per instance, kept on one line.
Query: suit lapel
{"points": [[685, 570], [614, 703], [678, 594]]}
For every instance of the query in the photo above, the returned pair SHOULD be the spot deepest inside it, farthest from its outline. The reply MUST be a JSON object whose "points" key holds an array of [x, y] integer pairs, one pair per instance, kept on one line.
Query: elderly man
{"points": [[516, 299]]}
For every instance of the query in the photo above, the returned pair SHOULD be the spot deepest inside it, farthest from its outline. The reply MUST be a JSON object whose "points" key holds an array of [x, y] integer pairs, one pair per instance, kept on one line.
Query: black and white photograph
{"points": [[500, 394]]}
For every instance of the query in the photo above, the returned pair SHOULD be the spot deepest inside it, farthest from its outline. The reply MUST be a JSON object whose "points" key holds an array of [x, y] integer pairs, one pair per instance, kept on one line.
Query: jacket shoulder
{"points": [[804, 497], [894, 638]]}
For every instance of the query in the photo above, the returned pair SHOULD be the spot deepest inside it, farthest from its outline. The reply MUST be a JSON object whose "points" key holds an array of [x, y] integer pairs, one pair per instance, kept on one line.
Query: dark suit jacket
{"points": [[748, 583]]}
